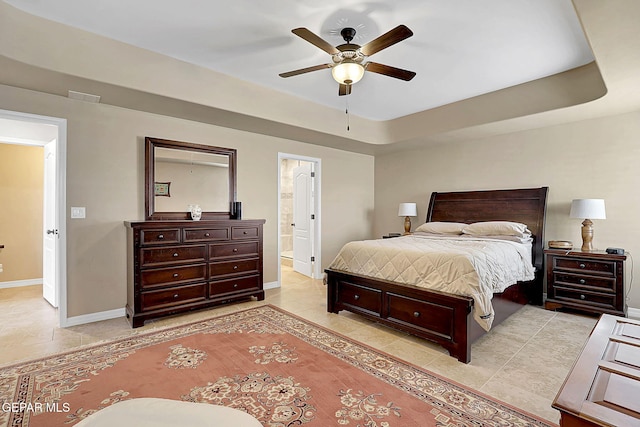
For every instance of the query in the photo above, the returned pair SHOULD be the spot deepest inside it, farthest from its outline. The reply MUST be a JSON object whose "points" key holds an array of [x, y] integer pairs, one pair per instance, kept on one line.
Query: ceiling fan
{"points": [[349, 60]]}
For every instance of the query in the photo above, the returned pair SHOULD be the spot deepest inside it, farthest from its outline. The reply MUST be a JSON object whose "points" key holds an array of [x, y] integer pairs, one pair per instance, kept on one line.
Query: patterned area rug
{"points": [[281, 369]]}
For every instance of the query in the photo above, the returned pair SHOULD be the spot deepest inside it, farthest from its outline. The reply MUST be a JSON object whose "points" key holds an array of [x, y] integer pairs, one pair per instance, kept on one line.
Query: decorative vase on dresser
{"points": [[177, 266]]}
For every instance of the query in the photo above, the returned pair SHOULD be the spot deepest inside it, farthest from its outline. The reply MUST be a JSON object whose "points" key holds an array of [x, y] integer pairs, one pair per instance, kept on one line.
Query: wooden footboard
{"points": [[439, 317], [436, 316]]}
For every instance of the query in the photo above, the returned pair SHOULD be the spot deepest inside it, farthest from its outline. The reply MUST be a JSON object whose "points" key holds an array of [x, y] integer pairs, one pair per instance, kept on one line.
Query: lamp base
{"points": [[407, 225], [587, 236]]}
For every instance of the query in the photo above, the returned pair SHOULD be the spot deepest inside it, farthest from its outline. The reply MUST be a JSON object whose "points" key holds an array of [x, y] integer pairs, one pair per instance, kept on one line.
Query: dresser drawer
{"points": [[163, 236], [229, 268], [179, 295], [360, 298], [418, 313], [172, 276], [592, 266], [603, 283], [172, 255], [206, 234], [233, 249], [584, 297], [240, 284], [244, 233]]}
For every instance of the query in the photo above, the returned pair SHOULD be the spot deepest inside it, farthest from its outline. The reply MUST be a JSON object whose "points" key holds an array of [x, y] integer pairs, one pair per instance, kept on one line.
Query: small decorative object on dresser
{"points": [[603, 386], [196, 212], [590, 281]]}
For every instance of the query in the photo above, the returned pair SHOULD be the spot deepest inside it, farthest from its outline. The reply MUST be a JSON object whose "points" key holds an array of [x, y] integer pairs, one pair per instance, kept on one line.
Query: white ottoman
{"points": [[152, 412]]}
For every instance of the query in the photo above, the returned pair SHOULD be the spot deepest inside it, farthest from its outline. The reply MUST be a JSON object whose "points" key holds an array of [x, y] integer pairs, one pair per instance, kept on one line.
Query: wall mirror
{"points": [[179, 174]]}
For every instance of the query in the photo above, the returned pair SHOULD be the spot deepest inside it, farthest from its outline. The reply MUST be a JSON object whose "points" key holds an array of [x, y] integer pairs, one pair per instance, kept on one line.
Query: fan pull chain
{"points": [[346, 111]]}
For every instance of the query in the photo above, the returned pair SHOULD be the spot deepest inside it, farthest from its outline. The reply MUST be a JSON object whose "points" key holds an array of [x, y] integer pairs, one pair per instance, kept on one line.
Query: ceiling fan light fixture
{"points": [[347, 72]]}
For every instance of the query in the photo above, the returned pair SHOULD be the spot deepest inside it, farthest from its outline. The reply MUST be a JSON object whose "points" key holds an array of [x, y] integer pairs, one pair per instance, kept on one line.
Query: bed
{"points": [[441, 317]]}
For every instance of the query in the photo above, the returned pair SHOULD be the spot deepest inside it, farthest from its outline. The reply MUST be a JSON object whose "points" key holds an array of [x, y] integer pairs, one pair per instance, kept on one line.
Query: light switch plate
{"points": [[78, 212]]}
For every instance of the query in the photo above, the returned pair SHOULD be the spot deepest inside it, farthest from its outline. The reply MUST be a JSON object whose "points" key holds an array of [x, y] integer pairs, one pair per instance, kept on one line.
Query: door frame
{"points": [[61, 187], [316, 271]]}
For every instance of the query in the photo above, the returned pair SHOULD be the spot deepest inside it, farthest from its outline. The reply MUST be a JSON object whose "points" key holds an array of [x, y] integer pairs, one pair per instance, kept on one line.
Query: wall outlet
{"points": [[78, 212]]}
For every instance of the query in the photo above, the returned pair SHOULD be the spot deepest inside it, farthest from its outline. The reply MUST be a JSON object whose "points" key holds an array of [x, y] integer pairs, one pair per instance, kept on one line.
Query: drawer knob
{"points": [[235, 249], [175, 274], [582, 265], [416, 314], [235, 285], [582, 281], [175, 254], [160, 236], [175, 295], [207, 234], [356, 297], [582, 297], [245, 232], [235, 267]]}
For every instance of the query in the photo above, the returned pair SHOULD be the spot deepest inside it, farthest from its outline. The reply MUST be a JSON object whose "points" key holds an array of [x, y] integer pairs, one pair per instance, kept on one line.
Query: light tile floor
{"points": [[522, 362]]}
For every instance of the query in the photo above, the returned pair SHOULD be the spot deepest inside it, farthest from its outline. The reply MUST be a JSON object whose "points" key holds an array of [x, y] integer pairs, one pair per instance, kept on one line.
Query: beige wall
{"points": [[105, 173], [21, 193], [589, 159]]}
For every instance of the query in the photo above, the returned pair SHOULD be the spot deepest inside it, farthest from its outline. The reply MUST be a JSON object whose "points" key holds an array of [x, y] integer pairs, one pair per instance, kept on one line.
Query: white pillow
{"points": [[497, 228], [442, 227]]}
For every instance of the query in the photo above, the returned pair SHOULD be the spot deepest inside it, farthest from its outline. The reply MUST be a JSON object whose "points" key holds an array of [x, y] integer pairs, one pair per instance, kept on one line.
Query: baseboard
{"points": [[271, 285], [93, 317], [633, 313], [18, 283]]}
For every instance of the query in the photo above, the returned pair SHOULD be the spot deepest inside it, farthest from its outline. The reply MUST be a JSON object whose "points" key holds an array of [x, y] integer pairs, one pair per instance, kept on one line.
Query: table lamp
{"points": [[588, 209], [407, 210]]}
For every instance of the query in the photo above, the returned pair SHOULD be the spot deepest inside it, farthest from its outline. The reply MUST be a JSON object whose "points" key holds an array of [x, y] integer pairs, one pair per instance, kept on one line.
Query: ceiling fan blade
{"points": [[387, 70], [305, 70], [344, 90], [389, 38], [315, 40]]}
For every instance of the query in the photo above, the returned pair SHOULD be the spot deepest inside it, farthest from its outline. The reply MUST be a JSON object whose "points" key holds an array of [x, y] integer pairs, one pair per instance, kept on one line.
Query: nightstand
{"points": [[587, 281]]}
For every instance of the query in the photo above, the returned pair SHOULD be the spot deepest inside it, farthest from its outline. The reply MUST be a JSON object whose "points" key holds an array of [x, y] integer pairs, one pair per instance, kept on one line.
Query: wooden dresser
{"points": [[587, 281], [603, 388], [176, 266]]}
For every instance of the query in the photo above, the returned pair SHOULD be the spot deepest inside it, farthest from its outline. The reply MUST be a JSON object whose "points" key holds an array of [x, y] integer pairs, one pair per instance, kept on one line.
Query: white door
{"points": [[303, 224], [50, 226]]}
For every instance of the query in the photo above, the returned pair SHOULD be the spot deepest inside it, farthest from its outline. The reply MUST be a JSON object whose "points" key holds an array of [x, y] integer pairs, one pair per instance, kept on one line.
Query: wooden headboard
{"points": [[527, 206]]}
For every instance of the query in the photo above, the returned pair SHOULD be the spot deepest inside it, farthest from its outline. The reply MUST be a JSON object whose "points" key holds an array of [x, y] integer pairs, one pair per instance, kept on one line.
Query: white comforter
{"points": [[471, 266]]}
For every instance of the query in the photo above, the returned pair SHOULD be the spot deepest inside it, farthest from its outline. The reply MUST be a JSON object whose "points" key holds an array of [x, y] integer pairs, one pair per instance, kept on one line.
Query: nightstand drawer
{"points": [[583, 297], [592, 266], [608, 285]]}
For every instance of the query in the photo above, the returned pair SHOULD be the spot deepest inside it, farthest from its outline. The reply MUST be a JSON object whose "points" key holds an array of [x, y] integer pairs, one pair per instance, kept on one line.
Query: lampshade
{"points": [[407, 209], [347, 72], [588, 209]]}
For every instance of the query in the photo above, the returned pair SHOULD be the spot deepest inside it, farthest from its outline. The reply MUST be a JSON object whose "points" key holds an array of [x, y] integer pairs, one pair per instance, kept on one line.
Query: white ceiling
{"points": [[460, 48]]}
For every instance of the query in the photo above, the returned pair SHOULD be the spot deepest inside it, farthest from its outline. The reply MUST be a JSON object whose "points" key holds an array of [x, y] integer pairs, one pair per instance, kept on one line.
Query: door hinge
{"points": [[313, 216], [313, 259], [313, 174]]}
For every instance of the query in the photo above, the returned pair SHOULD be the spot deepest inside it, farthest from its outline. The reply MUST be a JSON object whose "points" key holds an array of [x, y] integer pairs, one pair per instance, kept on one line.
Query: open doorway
{"points": [[40, 143], [299, 214]]}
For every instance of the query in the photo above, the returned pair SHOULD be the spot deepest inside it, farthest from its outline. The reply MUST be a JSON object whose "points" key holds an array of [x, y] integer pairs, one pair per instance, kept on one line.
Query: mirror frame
{"points": [[149, 177]]}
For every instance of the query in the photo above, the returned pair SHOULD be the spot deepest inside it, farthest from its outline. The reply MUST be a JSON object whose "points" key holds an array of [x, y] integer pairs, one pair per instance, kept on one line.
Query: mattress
{"points": [[476, 267]]}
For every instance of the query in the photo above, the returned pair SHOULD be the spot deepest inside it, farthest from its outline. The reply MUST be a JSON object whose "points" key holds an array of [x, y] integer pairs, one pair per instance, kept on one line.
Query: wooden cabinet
{"points": [[177, 266], [585, 281], [603, 386]]}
